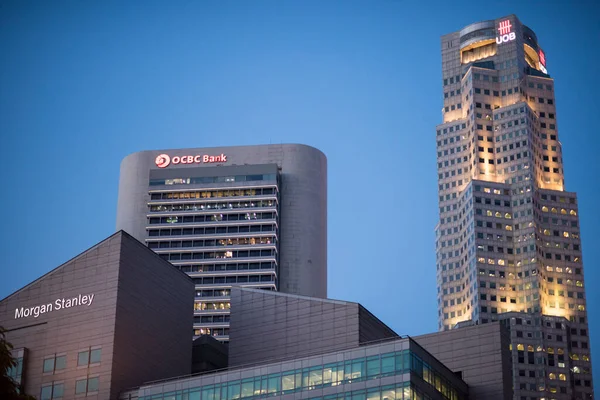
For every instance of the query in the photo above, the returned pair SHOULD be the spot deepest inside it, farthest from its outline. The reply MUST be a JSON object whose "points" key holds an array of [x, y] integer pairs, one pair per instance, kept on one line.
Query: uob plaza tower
{"points": [[507, 241]]}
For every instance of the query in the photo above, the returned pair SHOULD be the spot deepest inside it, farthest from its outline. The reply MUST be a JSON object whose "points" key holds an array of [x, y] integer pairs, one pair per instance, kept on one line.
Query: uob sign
{"points": [[505, 35]]}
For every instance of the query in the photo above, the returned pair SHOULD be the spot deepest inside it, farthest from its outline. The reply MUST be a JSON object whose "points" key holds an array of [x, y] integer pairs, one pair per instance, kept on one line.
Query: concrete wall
{"points": [[481, 353], [268, 326], [272, 326], [153, 319], [303, 208], [371, 328]]}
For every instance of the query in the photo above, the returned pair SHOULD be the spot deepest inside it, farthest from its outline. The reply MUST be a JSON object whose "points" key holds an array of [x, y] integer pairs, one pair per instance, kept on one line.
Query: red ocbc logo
{"points": [[162, 161]]}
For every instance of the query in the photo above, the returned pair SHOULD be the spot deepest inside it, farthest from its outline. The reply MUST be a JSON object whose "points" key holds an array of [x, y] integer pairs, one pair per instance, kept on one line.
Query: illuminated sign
{"points": [[504, 31], [58, 304], [164, 160], [542, 57]]}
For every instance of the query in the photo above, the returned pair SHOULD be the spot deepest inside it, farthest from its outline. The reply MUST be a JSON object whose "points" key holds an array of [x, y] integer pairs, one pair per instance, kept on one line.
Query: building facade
{"points": [[396, 370], [507, 241], [254, 216], [481, 353], [268, 326], [82, 330]]}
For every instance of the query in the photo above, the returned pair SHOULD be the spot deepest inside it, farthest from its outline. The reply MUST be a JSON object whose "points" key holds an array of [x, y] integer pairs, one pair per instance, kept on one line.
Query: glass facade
{"points": [[219, 236], [409, 378], [15, 372]]}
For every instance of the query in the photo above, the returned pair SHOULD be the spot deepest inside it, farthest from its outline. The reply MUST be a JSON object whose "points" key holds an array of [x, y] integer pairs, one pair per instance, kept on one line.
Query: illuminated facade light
{"points": [[498, 155]]}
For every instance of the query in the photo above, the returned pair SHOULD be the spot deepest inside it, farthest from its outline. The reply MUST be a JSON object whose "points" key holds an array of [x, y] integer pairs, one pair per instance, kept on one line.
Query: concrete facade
{"points": [[267, 326], [480, 354], [508, 238], [120, 330], [256, 216]]}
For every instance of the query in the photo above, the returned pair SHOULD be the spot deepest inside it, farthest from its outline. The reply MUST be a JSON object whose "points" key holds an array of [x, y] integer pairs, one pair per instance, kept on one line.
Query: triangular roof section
{"points": [[120, 233]]}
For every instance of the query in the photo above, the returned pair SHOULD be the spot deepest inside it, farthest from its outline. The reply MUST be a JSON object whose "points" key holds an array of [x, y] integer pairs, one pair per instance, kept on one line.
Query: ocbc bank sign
{"points": [[164, 160]]}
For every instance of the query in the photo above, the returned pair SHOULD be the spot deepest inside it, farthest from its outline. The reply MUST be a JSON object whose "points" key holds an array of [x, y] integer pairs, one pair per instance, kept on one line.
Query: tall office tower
{"points": [[507, 242], [253, 216]]}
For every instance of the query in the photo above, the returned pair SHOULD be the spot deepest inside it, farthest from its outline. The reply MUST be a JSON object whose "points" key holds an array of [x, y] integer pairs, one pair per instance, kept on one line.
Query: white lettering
{"points": [[506, 38], [58, 304]]}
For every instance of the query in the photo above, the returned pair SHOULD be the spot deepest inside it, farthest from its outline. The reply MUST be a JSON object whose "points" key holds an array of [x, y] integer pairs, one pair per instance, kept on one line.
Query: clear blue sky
{"points": [[84, 83]]}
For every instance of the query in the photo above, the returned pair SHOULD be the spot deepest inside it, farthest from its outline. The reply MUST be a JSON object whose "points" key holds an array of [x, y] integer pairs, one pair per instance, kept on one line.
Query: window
{"points": [[55, 363], [91, 356], [86, 385], [53, 390]]}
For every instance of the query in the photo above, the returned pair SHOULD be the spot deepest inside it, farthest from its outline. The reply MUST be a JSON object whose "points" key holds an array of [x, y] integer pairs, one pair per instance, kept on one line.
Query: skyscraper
{"points": [[253, 216], [507, 241]]}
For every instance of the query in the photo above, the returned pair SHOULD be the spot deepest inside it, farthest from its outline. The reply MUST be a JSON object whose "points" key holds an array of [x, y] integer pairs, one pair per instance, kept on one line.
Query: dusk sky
{"points": [[85, 83]]}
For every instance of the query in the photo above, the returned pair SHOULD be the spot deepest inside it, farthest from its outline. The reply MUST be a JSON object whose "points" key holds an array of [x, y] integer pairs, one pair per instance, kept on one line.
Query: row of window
{"points": [[58, 362], [451, 129], [511, 275], [211, 306], [318, 377], [516, 156], [216, 332], [211, 218], [212, 179], [212, 206], [213, 280], [247, 241], [541, 100], [211, 319], [222, 292], [212, 230], [223, 267], [208, 194], [56, 390], [211, 255]]}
